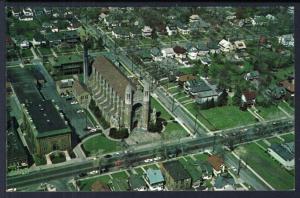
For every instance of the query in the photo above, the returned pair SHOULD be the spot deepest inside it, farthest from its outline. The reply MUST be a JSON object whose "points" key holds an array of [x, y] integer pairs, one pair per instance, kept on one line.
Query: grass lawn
{"points": [[202, 157], [174, 130], [266, 167], [274, 140], [153, 166], [194, 109], [187, 70], [100, 143], [263, 144], [271, 112], [282, 74], [26, 53], [227, 117], [287, 107], [45, 51], [164, 114], [139, 171], [121, 174], [85, 185], [146, 41], [288, 137]]}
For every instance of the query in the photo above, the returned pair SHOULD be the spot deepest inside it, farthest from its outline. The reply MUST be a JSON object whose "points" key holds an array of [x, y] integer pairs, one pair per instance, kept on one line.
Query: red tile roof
{"points": [[249, 95], [216, 162]]}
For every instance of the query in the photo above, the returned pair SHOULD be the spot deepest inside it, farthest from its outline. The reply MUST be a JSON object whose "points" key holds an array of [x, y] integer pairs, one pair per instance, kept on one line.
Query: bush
{"points": [[118, 134], [57, 158], [160, 122], [39, 160]]}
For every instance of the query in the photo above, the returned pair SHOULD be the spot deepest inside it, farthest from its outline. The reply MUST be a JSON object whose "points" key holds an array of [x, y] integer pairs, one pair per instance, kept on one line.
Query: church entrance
{"points": [[136, 115]]}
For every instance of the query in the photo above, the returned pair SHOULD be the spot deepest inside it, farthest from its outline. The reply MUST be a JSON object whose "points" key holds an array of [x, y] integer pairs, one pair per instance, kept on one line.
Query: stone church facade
{"points": [[122, 101]]}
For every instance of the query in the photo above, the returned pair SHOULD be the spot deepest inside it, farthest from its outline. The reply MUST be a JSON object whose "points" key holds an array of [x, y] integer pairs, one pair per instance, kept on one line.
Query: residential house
{"points": [[194, 18], [53, 39], [81, 93], [248, 98], [66, 65], [286, 40], [22, 17], [240, 45], [192, 53], [213, 47], [168, 52], [47, 10], [71, 37], [160, 29], [180, 52], [156, 54], [146, 31], [270, 17], [284, 154], [225, 46], [38, 12], [171, 29], [251, 75], [217, 163], [64, 86], [224, 183], [202, 48], [27, 12], [201, 90], [183, 29], [16, 12], [177, 177], [120, 33], [289, 85], [206, 170], [155, 179], [184, 78], [137, 183], [276, 92]]}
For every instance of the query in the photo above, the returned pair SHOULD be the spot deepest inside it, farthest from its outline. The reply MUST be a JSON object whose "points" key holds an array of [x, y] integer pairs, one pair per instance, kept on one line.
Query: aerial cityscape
{"points": [[150, 99]]}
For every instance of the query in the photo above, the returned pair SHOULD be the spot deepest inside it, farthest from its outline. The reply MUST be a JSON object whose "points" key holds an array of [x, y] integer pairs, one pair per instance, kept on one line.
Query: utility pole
{"points": [[195, 127]]}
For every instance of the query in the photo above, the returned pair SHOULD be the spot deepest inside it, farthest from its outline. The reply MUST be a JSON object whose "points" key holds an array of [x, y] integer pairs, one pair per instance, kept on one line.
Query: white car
{"points": [[93, 172], [157, 158], [93, 130], [74, 102], [80, 111], [148, 160]]}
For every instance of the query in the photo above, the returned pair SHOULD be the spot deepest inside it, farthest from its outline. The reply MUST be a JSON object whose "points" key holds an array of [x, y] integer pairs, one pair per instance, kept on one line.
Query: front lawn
{"points": [[227, 117], [163, 113], [85, 185], [101, 144], [120, 175], [288, 137], [174, 131], [270, 113], [266, 166]]}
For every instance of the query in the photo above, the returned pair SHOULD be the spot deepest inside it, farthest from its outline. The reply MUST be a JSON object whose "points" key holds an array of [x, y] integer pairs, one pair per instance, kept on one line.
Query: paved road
{"points": [[245, 174], [136, 155]]}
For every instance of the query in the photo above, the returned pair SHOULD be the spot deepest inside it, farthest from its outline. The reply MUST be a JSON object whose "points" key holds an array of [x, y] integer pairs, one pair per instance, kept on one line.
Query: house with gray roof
{"points": [[200, 90], [154, 178], [284, 154]]}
